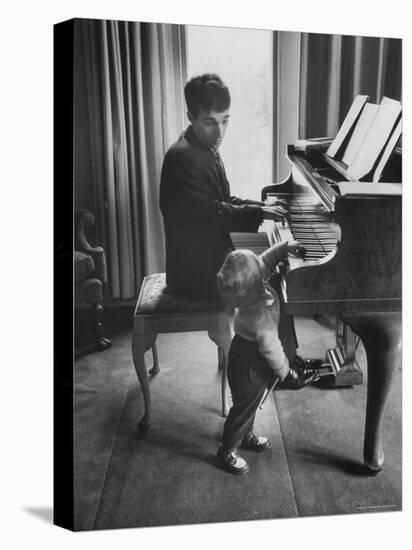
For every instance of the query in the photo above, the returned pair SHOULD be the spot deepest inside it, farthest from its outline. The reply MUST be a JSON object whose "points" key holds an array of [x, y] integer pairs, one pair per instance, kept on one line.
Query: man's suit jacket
{"points": [[199, 214]]}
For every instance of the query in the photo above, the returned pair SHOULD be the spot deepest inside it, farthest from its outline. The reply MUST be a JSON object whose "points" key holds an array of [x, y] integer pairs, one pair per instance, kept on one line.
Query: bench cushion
{"points": [[156, 298]]}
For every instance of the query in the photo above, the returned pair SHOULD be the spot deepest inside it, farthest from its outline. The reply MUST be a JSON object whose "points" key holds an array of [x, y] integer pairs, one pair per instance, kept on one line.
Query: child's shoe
{"points": [[232, 462], [258, 443]]}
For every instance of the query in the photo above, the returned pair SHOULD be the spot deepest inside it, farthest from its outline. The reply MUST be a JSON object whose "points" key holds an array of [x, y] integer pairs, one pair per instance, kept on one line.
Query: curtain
{"points": [[135, 74], [335, 68]]}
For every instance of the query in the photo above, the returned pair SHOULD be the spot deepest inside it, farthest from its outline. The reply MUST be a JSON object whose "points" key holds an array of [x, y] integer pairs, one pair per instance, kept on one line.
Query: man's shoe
{"points": [[299, 363], [258, 443], [295, 380], [232, 462]]}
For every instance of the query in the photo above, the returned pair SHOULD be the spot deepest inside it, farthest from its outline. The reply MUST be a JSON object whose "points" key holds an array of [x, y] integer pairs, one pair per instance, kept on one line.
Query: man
{"points": [[198, 211], [195, 200]]}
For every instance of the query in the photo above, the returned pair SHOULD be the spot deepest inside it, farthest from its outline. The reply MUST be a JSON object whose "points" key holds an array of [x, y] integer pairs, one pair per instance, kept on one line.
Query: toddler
{"points": [[256, 356]]}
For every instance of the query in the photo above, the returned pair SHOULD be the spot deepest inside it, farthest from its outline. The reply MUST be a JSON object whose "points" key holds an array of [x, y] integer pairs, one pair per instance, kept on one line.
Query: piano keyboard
{"points": [[310, 225]]}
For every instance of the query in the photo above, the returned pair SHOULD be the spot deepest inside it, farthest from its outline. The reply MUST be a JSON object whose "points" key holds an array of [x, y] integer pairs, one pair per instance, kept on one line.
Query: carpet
{"points": [[170, 475], [322, 433]]}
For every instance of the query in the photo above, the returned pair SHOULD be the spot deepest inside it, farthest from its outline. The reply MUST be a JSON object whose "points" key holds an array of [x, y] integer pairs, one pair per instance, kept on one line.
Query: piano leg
{"points": [[381, 337]]}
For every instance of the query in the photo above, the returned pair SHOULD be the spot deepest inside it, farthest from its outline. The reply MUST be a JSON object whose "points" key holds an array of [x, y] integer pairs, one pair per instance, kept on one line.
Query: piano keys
{"points": [[309, 224]]}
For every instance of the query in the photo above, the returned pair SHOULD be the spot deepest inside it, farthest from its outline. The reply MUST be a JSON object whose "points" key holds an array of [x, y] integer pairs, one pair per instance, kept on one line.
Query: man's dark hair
{"points": [[207, 92]]}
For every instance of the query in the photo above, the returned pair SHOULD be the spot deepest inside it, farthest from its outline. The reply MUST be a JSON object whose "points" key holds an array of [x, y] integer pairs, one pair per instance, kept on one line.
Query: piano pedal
{"points": [[338, 372]]}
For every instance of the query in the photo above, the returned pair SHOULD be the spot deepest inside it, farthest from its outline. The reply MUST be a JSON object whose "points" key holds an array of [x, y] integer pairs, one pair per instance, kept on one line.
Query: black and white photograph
{"points": [[237, 264], [226, 218]]}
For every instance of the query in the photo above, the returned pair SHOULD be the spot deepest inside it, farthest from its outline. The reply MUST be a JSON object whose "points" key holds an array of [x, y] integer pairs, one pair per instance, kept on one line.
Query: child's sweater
{"points": [[259, 323]]}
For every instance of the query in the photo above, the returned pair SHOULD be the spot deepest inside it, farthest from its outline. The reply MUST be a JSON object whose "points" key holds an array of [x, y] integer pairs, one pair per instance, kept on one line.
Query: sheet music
{"points": [[387, 152], [359, 132], [377, 135], [347, 124]]}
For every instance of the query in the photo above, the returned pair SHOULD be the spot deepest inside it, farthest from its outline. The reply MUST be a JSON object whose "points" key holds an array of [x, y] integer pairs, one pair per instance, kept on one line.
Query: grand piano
{"points": [[353, 236]]}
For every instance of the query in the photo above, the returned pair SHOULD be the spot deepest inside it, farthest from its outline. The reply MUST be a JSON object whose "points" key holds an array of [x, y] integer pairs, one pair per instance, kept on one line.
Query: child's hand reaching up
{"points": [[296, 249]]}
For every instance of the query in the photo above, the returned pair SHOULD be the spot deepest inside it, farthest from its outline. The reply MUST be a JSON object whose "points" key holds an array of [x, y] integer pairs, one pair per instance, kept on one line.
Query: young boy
{"points": [[256, 356]]}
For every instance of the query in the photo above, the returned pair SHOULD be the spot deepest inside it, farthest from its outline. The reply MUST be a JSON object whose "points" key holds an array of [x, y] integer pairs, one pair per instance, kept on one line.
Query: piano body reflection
{"points": [[352, 268]]}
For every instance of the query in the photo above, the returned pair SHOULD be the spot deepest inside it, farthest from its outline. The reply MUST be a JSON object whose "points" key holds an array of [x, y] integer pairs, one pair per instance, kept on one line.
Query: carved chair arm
{"points": [[99, 259], [85, 219]]}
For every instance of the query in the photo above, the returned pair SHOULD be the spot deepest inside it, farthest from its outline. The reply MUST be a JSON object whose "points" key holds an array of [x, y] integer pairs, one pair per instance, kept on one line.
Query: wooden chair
{"points": [[158, 312], [90, 276]]}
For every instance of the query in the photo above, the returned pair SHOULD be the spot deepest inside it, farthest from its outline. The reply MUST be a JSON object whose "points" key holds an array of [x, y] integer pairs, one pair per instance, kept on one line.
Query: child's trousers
{"points": [[249, 375]]}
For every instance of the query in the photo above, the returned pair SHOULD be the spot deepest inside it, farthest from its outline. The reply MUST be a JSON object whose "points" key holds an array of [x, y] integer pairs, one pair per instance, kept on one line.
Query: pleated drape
{"points": [[335, 68], [135, 73]]}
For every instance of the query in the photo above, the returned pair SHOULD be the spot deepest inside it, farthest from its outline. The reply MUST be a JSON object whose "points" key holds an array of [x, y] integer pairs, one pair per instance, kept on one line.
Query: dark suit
{"points": [[199, 214]]}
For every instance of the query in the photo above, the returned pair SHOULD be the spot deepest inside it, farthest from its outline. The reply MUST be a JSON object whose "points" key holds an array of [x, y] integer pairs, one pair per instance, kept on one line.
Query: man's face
{"points": [[210, 127]]}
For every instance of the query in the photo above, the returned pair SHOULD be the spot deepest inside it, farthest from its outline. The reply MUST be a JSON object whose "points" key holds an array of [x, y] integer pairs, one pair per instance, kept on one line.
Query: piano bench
{"points": [[158, 312]]}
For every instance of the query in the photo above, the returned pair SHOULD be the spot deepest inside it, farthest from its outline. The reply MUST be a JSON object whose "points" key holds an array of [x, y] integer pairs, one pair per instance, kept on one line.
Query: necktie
{"points": [[221, 175]]}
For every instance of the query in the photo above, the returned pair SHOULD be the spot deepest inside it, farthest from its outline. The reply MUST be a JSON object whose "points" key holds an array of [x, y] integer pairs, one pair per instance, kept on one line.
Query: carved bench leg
{"points": [[222, 337], [225, 356], [141, 343], [220, 359], [155, 369]]}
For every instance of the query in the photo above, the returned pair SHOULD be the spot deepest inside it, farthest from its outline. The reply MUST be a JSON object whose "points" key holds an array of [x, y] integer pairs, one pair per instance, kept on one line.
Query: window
{"points": [[243, 59]]}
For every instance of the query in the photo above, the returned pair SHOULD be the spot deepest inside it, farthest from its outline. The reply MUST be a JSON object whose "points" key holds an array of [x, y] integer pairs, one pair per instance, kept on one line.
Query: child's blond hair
{"points": [[239, 280]]}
